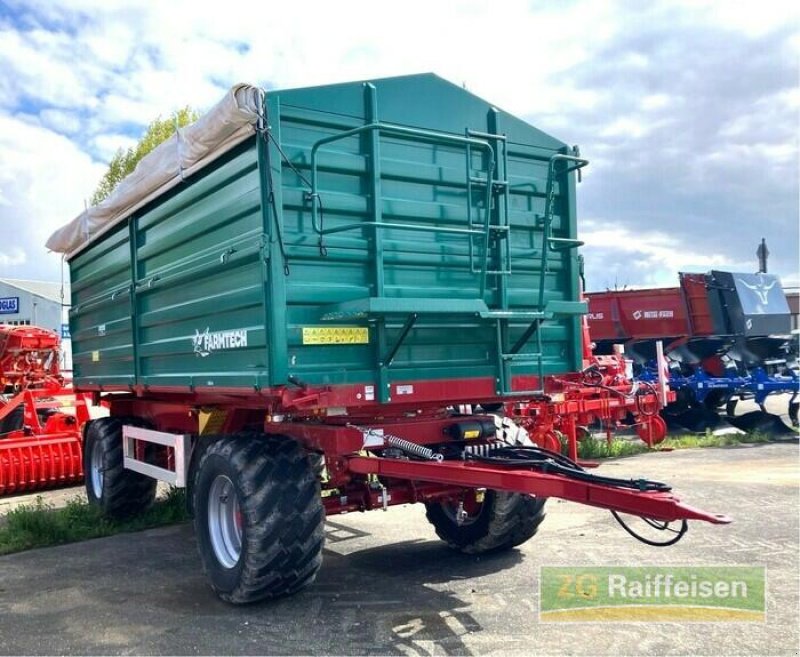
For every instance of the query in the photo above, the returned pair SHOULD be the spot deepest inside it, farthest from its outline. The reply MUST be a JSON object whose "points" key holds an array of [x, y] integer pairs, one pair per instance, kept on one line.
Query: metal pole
{"points": [[662, 373]]}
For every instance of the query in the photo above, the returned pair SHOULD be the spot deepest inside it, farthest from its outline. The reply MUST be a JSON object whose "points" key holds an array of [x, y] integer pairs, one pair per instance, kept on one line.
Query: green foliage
{"points": [[594, 448], [710, 440], [41, 525], [125, 161]]}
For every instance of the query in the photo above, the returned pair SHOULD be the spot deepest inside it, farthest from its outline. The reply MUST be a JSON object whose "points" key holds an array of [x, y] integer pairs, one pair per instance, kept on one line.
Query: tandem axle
{"points": [[259, 494]]}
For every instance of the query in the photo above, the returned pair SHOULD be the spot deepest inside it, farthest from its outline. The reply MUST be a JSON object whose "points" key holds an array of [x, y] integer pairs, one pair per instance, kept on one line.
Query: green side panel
{"points": [[199, 275], [232, 285], [422, 100], [100, 316]]}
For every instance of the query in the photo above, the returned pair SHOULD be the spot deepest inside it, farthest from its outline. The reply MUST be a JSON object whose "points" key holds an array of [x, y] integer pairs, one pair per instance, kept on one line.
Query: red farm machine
{"points": [[604, 394], [285, 314], [40, 418], [726, 337]]}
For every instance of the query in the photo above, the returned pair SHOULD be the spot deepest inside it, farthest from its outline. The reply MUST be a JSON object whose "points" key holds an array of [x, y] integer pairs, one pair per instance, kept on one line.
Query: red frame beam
{"points": [[656, 505]]}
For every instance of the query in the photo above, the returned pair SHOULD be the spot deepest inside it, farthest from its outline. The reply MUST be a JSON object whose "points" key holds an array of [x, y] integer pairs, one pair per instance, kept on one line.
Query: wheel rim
{"points": [[97, 469], [225, 522]]}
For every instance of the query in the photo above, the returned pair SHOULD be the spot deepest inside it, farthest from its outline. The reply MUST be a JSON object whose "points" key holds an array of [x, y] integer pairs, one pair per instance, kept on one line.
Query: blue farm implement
{"points": [[726, 337]]}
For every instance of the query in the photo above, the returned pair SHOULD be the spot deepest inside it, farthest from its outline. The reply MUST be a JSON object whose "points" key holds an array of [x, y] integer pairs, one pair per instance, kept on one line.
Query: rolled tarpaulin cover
{"points": [[225, 125]]}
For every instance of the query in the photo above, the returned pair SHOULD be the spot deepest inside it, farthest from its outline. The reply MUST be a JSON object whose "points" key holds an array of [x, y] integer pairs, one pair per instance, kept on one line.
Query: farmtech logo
{"points": [[206, 343], [663, 593]]}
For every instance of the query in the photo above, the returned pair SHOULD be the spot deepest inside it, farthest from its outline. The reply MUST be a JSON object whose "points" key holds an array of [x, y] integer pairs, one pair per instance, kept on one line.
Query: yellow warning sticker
{"points": [[335, 335]]}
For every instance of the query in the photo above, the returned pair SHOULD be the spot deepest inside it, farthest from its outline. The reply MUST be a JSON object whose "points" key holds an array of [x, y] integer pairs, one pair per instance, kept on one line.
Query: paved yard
{"points": [[388, 586]]}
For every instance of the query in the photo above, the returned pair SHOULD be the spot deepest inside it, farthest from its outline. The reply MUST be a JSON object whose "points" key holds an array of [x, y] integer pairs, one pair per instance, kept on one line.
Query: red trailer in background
{"points": [[632, 317], [676, 316], [40, 415]]}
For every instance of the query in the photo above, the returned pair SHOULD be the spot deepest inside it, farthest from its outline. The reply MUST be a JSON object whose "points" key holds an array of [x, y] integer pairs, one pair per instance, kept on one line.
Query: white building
{"points": [[38, 303]]}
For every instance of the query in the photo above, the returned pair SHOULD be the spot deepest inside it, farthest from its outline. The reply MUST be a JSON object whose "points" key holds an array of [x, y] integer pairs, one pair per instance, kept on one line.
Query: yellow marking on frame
{"points": [[95, 356], [335, 335], [210, 421]]}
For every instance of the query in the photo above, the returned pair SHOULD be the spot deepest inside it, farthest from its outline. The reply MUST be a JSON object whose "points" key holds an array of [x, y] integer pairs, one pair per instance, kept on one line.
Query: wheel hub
{"points": [[97, 469], [225, 521]]}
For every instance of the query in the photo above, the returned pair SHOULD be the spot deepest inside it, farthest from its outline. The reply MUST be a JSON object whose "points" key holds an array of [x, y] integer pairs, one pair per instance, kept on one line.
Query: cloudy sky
{"points": [[688, 111]]}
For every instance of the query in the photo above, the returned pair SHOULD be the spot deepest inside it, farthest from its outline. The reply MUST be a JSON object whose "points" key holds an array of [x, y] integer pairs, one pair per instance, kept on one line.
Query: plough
{"points": [[726, 336]]}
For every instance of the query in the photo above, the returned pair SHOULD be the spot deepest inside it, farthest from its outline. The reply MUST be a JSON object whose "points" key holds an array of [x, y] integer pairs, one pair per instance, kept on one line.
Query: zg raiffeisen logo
{"points": [[653, 593]]}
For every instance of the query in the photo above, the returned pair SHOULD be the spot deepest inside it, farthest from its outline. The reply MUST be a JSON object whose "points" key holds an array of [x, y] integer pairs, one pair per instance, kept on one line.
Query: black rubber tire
{"points": [[123, 493], [282, 516], [505, 520]]}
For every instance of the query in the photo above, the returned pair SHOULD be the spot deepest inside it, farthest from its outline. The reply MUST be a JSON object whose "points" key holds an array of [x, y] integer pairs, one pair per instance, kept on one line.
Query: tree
{"points": [[125, 161]]}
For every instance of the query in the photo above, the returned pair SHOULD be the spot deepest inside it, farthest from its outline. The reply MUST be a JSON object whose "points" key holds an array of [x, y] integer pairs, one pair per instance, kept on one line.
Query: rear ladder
{"points": [[487, 231]]}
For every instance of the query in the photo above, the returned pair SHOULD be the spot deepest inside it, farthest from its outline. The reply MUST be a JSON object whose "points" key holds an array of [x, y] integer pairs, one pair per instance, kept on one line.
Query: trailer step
{"points": [[181, 445]]}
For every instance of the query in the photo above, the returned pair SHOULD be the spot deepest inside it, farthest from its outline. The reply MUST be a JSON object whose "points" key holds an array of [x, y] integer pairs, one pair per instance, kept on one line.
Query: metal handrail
{"points": [[550, 243], [422, 135]]}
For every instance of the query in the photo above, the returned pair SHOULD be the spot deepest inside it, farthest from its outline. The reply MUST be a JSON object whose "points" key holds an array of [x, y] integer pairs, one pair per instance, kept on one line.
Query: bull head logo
{"points": [[761, 289]]}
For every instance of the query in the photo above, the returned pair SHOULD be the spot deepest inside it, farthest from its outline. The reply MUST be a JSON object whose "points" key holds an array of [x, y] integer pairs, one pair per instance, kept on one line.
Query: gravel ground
{"points": [[388, 586]]}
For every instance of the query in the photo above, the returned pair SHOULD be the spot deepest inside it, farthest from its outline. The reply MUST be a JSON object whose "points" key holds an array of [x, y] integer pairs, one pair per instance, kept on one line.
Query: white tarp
{"points": [[226, 124]]}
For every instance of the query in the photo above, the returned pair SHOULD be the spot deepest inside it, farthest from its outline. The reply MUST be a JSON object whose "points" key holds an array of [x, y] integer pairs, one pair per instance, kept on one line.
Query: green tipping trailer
{"points": [[388, 233], [282, 306]]}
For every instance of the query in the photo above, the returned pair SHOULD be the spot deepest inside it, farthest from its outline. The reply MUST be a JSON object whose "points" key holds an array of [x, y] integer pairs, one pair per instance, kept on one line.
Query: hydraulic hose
{"points": [[546, 461]]}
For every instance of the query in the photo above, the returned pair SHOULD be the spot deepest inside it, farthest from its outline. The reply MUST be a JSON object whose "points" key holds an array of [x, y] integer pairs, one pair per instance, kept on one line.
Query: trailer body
{"points": [[319, 317], [424, 222]]}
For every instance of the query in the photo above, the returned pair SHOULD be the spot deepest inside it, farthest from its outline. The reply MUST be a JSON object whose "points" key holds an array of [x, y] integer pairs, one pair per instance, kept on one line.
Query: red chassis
{"points": [[365, 470]]}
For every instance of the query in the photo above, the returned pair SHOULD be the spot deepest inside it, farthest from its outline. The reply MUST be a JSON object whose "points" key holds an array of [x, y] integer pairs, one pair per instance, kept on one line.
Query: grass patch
{"points": [[598, 448], [727, 440], [40, 524]]}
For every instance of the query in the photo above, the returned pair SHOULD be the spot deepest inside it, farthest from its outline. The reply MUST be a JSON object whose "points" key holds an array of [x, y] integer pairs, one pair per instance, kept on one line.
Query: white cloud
{"points": [[111, 44], [616, 256], [754, 19], [13, 258], [62, 121], [112, 67], [46, 66], [44, 185], [625, 127], [655, 102], [656, 247], [106, 146]]}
